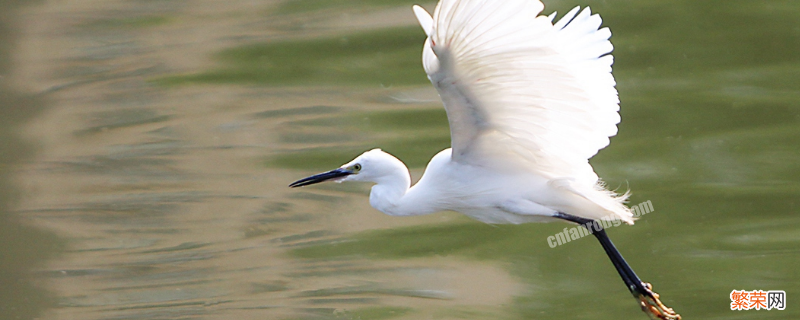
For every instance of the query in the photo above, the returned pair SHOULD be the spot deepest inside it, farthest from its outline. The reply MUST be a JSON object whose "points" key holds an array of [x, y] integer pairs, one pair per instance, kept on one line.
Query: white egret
{"points": [[529, 101]]}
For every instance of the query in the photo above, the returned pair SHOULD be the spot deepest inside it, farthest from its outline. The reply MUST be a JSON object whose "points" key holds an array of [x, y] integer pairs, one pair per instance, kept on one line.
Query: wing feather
{"points": [[521, 90]]}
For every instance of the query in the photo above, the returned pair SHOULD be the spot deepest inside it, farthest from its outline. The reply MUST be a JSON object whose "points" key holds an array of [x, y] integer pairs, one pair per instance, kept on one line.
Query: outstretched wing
{"points": [[520, 90]]}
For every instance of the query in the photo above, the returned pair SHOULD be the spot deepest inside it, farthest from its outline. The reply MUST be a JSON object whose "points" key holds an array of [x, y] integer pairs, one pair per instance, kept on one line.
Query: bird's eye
{"points": [[357, 167]]}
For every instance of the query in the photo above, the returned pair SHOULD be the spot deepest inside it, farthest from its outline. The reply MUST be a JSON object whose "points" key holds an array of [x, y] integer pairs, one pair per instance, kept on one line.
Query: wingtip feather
{"points": [[424, 18], [567, 18]]}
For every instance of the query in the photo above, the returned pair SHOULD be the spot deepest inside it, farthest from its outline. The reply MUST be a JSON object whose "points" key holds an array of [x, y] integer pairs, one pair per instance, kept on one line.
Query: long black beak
{"points": [[317, 178]]}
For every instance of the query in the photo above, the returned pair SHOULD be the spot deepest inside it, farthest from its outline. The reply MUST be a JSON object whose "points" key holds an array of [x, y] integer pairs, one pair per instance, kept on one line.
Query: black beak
{"points": [[317, 178]]}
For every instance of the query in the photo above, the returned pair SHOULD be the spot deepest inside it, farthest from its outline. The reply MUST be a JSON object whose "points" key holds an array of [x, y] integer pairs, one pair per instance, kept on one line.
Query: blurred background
{"points": [[146, 146]]}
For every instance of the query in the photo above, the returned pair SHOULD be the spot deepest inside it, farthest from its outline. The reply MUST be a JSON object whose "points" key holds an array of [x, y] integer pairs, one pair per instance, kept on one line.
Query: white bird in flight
{"points": [[529, 102]]}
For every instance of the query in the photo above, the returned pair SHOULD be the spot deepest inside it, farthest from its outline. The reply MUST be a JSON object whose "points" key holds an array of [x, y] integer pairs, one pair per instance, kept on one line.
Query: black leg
{"points": [[632, 282], [649, 300]]}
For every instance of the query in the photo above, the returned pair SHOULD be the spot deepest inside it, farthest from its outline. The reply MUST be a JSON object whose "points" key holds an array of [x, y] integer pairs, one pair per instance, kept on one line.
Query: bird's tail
{"points": [[594, 202]]}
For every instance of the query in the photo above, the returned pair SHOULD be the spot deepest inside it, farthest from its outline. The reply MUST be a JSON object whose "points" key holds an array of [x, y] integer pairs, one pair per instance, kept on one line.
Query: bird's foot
{"points": [[653, 307]]}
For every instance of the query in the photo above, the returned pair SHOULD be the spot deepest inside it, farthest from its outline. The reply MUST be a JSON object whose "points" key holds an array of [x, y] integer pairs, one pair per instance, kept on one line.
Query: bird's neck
{"points": [[388, 192]]}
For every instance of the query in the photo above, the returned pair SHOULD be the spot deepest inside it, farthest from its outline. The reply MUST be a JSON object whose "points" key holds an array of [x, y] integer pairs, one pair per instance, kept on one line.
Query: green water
{"points": [[22, 247], [710, 134]]}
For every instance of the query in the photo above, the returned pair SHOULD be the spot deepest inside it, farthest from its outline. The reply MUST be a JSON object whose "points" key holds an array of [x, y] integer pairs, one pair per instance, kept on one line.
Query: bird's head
{"points": [[372, 166]]}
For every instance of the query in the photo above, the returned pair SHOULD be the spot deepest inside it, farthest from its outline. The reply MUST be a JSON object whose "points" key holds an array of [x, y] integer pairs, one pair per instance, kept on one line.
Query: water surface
{"points": [[173, 128]]}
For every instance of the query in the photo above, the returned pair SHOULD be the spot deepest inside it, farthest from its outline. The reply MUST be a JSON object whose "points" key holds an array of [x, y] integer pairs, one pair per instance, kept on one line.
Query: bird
{"points": [[529, 100]]}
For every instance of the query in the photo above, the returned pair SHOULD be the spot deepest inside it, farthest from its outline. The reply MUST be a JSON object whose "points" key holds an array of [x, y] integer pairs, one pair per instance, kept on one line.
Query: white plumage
{"points": [[524, 94], [528, 102]]}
